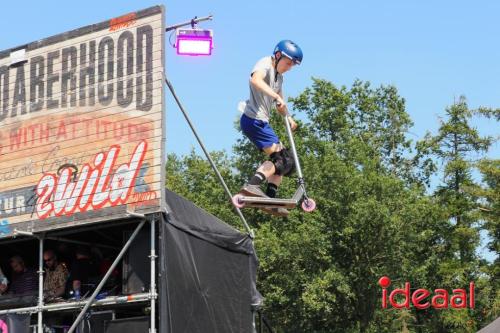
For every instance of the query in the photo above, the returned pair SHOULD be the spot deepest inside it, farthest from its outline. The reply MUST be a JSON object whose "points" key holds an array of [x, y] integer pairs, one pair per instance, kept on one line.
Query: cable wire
{"points": [[214, 167]]}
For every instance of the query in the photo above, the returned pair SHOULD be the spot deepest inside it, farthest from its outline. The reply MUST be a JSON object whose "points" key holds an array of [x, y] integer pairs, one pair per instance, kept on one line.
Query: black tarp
{"points": [[208, 272]]}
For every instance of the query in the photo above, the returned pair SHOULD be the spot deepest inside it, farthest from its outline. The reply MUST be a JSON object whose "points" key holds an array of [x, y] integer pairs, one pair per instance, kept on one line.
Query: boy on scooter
{"points": [[265, 92]]}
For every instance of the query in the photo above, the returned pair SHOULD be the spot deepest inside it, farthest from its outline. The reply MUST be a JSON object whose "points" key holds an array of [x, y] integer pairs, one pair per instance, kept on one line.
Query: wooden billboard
{"points": [[81, 125]]}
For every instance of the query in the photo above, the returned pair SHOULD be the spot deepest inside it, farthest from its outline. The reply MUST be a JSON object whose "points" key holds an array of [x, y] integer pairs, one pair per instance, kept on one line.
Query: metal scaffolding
{"points": [[151, 296]]}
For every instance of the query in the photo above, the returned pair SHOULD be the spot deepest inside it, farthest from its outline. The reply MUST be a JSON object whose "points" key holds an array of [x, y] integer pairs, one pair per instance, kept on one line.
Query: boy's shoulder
{"points": [[265, 62]]}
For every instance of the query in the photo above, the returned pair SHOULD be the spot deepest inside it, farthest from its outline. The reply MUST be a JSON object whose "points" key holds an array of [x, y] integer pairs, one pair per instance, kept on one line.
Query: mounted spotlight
{"points": [[194, 42]]}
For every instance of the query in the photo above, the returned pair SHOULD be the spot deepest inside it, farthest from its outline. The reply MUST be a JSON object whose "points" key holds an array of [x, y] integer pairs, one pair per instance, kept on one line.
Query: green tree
{"points": [[319, 271], [456, 146], [489, 208], [374, 200]]}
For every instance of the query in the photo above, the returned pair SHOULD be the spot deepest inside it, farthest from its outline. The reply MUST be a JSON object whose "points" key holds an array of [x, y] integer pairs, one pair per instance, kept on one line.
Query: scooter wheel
{"points": [[237, 202], [308, 205]]}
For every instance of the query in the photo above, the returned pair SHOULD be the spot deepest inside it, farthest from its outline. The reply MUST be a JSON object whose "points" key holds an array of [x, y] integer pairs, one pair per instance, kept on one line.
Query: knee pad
{"points": [[279, 163], [289, 162], [283, 162]]}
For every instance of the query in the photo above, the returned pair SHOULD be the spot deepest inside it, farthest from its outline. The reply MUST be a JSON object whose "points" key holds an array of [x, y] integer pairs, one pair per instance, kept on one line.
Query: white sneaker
{"points": [[252, 191]]}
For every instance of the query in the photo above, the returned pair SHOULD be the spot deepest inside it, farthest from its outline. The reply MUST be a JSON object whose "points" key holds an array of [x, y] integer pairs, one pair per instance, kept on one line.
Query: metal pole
{"points": [[108, 301], [214, 167], [40, 285], [292, 146], [191, 22], [106, 276], [152, 287], [67, 240]]}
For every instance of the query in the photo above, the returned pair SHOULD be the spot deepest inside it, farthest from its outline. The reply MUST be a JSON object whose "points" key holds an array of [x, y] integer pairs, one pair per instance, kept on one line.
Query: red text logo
{"points": [[423, 298], [122, 22], [97, 185]]}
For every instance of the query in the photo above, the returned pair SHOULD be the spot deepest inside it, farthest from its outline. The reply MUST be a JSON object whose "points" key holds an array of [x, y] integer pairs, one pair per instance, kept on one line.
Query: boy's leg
{"points": [[252, 188], [265, 171], [273, 180], [273, 183]]}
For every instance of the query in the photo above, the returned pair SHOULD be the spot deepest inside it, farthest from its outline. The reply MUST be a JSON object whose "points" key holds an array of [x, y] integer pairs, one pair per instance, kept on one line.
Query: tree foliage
{"points": [[375, 217]]}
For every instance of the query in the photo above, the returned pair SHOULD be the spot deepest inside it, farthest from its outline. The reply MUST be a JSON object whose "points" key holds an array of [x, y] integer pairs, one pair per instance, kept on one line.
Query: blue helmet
{"points": [[290, 50]]}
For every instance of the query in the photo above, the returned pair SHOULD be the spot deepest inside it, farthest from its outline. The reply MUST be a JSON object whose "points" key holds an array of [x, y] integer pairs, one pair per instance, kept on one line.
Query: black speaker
{"points": [[128, 325], [136, 270], [96, 322]]}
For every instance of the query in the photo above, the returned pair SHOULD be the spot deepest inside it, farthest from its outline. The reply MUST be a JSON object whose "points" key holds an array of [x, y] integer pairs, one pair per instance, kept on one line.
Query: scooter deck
{"points": [[263, 202]]}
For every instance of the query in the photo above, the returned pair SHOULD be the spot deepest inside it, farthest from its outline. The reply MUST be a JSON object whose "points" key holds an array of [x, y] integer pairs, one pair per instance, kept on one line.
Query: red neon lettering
{"points": [[95, 187], [441, 294], [472, 300], [405, 292], [44, 191], [419, 295], [459, 299]]}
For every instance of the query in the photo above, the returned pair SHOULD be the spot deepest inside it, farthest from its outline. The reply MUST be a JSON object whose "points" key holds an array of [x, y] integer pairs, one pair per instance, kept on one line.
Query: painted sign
{"points": [[81, 125]]}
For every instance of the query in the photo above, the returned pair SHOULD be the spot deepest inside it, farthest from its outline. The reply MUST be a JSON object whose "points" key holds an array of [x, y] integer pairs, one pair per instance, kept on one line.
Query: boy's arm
{"points": [[257, 80], [282, 108]]}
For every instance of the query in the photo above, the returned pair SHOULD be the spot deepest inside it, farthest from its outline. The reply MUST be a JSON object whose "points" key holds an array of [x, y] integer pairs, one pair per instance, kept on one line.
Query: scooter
{"points": [[300, 196]]}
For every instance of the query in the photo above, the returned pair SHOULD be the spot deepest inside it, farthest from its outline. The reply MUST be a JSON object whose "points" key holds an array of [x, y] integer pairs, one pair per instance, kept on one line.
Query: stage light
{"points": [[194, 42]]}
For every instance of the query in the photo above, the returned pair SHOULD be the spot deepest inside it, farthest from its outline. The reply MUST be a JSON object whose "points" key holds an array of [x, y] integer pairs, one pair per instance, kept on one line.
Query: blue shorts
{"points": [[259, 132]]}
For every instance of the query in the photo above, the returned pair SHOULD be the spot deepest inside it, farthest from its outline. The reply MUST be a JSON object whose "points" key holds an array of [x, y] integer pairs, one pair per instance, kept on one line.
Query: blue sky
{"points": [[432, 51]]}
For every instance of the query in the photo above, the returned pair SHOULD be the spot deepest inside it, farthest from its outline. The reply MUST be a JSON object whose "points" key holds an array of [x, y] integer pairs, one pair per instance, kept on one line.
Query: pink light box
{"points": [[194, 42]]}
